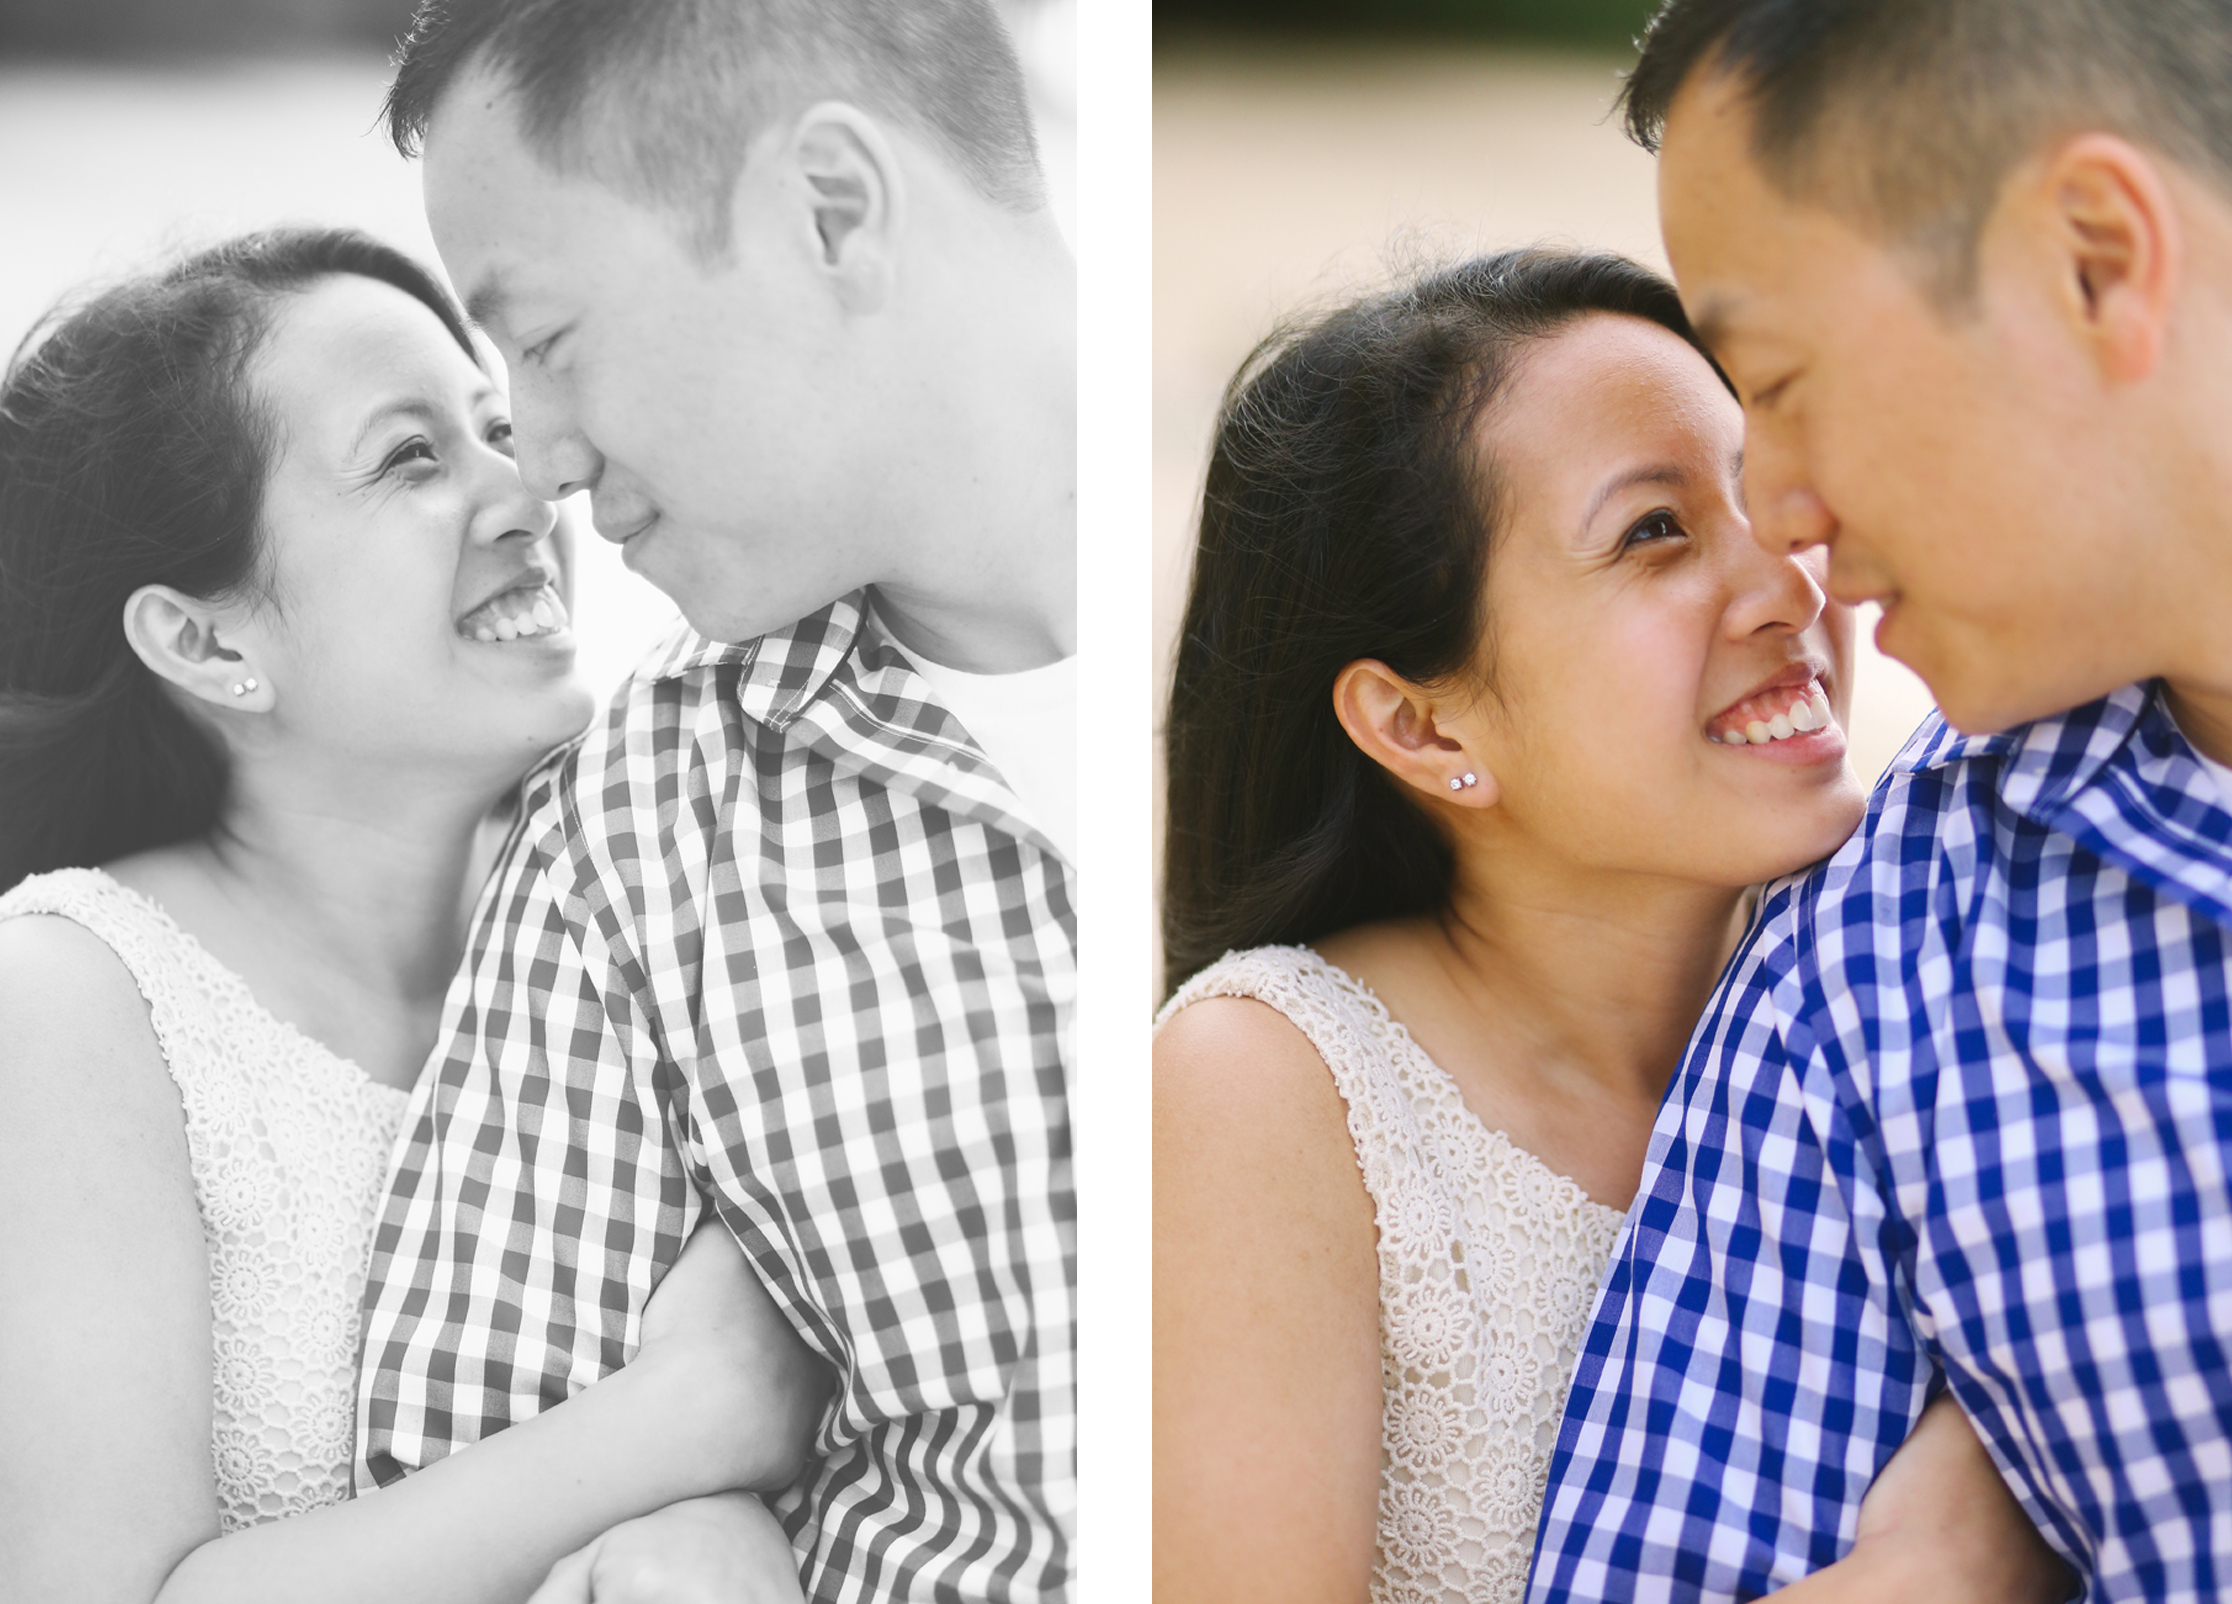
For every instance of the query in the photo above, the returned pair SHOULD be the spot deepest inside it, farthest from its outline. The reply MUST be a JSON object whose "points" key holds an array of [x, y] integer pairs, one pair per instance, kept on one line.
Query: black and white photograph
{"points": [[538, 800]]}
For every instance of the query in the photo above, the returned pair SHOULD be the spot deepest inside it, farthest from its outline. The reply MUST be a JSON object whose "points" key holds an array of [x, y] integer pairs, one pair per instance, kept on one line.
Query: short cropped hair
{"points": [[664, 95], [1908, 115]]}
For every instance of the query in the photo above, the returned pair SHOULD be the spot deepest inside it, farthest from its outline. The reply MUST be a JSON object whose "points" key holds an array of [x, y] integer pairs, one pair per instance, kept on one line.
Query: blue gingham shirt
{"points": [[1961, 1108], [774, 939]]}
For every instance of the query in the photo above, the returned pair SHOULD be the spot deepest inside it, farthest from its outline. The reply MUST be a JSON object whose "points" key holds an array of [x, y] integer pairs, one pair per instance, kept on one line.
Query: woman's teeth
{"points": [[1776, 716], [516, 615]]}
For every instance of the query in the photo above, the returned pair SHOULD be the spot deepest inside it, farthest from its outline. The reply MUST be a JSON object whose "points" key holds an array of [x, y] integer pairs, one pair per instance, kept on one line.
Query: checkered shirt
{"points": [[772, 937], [1961, 1108]]}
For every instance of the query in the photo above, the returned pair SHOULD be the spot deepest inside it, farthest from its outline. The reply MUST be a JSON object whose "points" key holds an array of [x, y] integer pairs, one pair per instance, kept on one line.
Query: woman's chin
{"points": [[515, 743], [1802, 844]]}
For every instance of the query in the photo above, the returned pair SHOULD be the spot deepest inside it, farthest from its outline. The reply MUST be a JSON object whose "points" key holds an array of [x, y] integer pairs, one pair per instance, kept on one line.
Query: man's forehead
{"points": [[487, 200], [476, 167], [478, 104], [1727, 228]]}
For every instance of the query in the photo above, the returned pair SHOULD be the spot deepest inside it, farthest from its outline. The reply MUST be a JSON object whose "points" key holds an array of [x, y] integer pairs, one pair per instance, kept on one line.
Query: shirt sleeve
{"points": [[1748, 1370], [880, 1111], [2063, 1152], [536, 1190]]}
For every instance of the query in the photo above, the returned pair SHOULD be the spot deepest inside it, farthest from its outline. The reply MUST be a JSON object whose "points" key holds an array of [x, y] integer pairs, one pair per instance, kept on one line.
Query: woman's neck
{"points": [[376, 891], [1558, 1002], [1602, 974], [1551, 970], [339, 900]]}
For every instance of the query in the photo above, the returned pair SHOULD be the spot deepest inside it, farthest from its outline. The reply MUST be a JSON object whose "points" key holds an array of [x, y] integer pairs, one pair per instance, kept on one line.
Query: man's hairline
{"points": [[504, 86], [686, 223], [1945, 271]]}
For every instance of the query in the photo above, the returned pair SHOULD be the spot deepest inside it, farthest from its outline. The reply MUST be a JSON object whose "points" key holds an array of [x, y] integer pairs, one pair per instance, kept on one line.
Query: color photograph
{"points": [[1695, 839]]}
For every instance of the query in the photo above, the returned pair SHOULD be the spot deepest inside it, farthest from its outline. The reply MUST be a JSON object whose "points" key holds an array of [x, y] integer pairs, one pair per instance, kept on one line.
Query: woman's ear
{"points": [[178, 637], [1399, 726]]}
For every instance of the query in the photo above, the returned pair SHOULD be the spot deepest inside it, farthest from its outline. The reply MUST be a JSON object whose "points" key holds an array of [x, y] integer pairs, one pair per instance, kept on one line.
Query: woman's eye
{"points": [[539, 352], [413, 450], [1652, 528], [500, 435]]}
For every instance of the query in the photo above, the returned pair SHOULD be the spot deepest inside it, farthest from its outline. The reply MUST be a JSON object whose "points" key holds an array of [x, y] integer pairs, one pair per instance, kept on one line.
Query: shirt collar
{"points": [[2043, 763], [782, 671], [2119, 777], [877, 716]]}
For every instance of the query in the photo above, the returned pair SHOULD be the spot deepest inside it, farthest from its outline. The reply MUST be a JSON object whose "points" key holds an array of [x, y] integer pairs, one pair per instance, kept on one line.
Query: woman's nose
{"points": [[1774, 590], [509, 506]]}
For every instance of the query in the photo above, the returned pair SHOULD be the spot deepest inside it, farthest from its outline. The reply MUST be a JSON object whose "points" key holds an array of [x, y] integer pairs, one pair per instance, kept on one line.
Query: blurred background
{"points": [[134, 129], [1309, 149]]}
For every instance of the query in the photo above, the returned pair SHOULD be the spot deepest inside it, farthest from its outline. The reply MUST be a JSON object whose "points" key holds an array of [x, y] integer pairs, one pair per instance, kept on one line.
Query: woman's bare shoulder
{"points": [[75, 1037], [1244, 1103], [1217, 1027], [1221, 1047], [52, 967]]}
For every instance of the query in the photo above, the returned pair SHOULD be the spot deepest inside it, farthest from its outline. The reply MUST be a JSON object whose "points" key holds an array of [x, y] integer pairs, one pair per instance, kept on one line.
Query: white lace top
{"points": [[1489, 1265], [289, 1147]]}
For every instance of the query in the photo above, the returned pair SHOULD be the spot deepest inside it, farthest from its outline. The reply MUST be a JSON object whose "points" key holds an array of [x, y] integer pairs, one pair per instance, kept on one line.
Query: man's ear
{"points": [[2116, 236], [857, 194], [182, 640], [1397, 725]]}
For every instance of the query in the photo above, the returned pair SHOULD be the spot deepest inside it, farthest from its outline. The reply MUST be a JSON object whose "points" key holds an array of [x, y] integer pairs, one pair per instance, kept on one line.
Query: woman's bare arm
{"points": [[1267, 1364], [1940, 1527], [726, 1549], [105, 1342], [105, 1385]]}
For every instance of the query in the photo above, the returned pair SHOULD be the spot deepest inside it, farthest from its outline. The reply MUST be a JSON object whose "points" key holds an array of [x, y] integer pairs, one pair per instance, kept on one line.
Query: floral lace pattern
{"points": [[289, 1146], [1489, 1266]]}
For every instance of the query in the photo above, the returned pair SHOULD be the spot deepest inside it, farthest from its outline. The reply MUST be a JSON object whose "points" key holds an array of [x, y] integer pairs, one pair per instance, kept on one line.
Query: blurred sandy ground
{"points": [[1290, 175], [105, 168]]}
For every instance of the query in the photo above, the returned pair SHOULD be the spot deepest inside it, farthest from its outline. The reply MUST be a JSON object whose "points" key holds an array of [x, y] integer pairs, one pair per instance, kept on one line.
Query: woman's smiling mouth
{"points": [[520, 613], [1794, 710]]}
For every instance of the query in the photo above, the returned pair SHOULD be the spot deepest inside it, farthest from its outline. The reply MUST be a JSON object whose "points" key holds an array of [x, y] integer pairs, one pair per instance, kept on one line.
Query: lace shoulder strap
{"points": [[155, 952], [1356, 1037]]}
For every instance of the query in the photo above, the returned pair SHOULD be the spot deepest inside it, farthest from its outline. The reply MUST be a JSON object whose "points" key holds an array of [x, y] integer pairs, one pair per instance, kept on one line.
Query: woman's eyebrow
{"points": [[1655, 473], [402, 406]]}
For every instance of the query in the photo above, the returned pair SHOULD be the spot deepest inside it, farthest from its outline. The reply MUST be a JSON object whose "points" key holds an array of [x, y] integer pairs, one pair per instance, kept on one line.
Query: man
{"points": [[1963, 1103], [791, 934]]}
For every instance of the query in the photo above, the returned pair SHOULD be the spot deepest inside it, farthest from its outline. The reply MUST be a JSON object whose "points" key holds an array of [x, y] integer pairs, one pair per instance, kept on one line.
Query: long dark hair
{"points": [[1347, 513], [133, 452]]}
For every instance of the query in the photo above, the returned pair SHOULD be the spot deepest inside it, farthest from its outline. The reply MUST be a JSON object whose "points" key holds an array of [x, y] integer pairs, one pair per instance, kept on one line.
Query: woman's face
{"points": [[418, 617], [1667, 697]]}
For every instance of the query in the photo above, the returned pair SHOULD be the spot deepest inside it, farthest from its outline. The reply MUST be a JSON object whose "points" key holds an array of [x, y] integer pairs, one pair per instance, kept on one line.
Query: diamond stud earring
{"points": [[243, 687], [1465, 784]]}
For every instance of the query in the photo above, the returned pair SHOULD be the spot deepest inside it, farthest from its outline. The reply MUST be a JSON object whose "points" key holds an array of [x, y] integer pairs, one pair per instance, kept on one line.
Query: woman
{"points": [[279, 627], [1486, 695]]}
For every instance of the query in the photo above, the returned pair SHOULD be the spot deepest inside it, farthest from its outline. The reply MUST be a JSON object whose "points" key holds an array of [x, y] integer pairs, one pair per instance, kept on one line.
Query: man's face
{"points": [[703, 404], [1959, 464]]}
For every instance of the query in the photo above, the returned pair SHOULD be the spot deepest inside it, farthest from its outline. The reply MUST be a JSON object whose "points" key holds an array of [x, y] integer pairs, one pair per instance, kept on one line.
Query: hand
{"points": [[1940, 1525], [743, 1371], [722, 1550]]}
